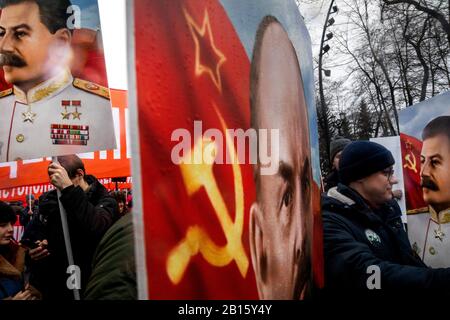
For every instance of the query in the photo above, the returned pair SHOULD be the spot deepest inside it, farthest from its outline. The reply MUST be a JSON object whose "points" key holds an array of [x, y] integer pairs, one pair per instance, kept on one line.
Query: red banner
{"points": [[102, 164], [20, 193], [196, 211], [411, 148]]}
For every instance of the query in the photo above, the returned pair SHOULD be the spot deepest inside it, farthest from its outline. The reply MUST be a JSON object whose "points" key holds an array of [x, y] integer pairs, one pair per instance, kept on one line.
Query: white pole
{"points": [[65, 228]]}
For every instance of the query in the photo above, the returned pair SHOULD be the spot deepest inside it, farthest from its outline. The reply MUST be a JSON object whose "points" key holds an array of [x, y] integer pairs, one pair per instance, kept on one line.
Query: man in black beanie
{"points": [[365, 243], [336, 147]]}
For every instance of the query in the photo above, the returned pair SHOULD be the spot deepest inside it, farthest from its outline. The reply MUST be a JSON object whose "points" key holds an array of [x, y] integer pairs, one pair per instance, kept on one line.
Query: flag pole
{"points": [[65, 227]]}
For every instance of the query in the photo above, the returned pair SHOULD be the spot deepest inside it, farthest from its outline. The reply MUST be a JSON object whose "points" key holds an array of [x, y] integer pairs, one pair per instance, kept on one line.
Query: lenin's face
{"points": [[36, 52], [281, 219], [435, 172]]}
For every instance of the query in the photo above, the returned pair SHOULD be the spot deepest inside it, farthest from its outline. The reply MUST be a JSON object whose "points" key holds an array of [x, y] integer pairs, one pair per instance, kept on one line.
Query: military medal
{"points": [[29, 115], [76, 104], [438, 234], [65, 134], [65, 114]]}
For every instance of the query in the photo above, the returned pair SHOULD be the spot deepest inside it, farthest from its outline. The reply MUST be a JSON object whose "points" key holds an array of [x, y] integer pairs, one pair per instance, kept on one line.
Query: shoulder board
{"points": [[91, 88], [6, 93], [418, 211]]}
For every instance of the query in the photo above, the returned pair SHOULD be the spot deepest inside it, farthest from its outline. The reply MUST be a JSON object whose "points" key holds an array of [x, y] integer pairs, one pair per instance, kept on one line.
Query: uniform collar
{"points": [[441, 217], [45, 89]]}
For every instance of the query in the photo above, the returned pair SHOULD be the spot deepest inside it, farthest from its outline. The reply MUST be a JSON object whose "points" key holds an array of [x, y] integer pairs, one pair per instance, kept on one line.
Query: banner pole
{"points": [[65, 227]]}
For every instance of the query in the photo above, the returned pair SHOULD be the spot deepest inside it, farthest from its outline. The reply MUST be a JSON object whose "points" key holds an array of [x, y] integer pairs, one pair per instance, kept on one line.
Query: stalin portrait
{"points": [[430, 229], [47, 112]]}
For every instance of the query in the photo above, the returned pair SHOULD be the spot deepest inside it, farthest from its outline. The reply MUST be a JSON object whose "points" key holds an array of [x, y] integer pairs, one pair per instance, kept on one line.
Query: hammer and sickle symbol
{"points": [[197, 240], [411, 162]]}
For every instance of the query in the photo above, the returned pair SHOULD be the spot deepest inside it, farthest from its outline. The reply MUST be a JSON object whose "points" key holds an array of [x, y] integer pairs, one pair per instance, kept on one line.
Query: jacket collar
{"points": [[335, 194], [351, 203], [14, 265], [441, 217], [45, 89]]}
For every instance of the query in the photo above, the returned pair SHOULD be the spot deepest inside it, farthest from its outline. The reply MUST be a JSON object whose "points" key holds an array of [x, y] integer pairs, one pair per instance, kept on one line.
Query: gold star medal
{"points": [[65, 114], [76, 114]]}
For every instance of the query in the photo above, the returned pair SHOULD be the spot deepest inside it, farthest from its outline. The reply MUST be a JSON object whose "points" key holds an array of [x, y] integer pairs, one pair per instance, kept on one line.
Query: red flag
{"points": [[411, 148], [196, 71]]}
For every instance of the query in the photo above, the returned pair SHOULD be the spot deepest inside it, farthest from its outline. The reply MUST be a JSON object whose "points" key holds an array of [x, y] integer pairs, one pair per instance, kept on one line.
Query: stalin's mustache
{"points": [[12, 60], [427, 183]]}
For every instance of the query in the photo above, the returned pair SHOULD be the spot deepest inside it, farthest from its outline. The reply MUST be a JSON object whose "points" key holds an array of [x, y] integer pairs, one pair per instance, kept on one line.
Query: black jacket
{"points": [[356, 237], [25, 217], [89, 216], [332, 180]]}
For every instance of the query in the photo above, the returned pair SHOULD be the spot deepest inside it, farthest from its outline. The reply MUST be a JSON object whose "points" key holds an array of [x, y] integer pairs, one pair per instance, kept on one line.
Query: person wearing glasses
{"points": [[366, 246]]}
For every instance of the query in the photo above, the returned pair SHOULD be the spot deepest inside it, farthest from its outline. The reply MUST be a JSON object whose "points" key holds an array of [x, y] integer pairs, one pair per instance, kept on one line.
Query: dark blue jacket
{"points": [[356, 237]]}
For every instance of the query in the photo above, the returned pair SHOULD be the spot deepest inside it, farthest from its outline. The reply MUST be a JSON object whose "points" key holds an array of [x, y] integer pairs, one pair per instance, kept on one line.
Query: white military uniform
{"points": [[60, 116], [429, 234]]}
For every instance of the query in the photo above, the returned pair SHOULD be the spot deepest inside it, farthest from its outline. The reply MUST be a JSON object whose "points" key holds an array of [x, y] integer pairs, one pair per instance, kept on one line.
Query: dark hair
{"points": [[119, 196], [7, 213], [72, 163], [53, 13], [437, 126]]}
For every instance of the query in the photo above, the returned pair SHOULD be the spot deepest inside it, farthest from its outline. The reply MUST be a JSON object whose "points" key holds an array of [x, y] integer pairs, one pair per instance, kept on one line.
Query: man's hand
{"points": [[40, 252], [58, 176]]}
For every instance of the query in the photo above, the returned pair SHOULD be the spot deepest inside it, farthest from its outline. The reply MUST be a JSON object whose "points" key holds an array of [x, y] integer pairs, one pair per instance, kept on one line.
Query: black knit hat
{"points": [[360, 159], [7, 213], [337, 145]]}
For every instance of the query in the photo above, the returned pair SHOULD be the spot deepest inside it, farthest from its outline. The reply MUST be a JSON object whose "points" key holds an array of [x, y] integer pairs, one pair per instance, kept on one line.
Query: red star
{"points": [[208, 59]]}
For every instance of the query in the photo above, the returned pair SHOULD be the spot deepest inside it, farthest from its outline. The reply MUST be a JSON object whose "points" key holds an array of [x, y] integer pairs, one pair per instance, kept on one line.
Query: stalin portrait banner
{"points": [[54, 96], [425, 143], [225, 157]]}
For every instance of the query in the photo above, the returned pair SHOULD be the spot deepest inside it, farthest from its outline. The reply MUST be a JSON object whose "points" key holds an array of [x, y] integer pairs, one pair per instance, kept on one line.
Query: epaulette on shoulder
{"points": [[91, 88], [6, 93]]}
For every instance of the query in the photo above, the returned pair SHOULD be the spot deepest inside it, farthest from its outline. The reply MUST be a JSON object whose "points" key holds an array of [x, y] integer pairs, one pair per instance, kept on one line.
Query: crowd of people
{"points": [[362, 229], [101, 236]]}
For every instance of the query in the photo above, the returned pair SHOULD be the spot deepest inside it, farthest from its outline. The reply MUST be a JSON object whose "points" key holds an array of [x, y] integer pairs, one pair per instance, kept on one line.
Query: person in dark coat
{"points": [[365, 243], [336, 147], [30, 211], [91, 211]]}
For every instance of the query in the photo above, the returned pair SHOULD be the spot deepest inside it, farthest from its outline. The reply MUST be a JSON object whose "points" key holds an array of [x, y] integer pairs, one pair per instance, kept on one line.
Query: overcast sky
{"points": [[113, 21]]}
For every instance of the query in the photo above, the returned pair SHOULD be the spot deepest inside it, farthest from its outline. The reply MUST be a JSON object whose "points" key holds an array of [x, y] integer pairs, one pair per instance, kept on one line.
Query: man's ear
{"points": [[64, 35], [257, 250], [80, 173]]}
